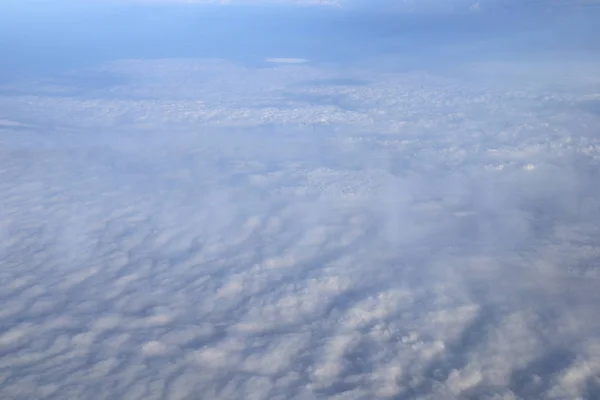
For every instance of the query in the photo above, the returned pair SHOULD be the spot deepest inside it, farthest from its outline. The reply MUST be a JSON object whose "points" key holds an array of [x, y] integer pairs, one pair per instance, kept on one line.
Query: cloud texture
{"points": [[210, 229]]}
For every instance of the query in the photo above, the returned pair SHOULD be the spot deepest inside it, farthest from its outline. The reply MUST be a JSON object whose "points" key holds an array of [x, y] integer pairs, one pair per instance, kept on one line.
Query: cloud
{"points": [[204, 227], [286, 60]]}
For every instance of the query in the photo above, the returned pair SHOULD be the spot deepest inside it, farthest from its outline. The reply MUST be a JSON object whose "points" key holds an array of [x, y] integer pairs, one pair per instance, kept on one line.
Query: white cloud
{"points": [[283, 60], [161, 241]]}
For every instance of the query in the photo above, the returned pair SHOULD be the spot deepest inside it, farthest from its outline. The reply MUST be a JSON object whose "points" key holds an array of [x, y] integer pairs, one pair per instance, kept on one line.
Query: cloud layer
{"points": [[183, 229]]}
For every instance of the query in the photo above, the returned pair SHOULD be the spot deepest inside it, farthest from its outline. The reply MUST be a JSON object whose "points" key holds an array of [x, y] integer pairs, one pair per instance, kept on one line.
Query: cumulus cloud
{"points": [[205, 229]]}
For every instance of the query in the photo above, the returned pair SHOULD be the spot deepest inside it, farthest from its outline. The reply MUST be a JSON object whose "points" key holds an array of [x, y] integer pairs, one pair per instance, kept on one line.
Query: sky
{"points": [[392, 201]]}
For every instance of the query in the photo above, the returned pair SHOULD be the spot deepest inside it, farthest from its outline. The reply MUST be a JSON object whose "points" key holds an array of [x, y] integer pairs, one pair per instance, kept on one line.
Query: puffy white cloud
{"points": [[301, 231]]}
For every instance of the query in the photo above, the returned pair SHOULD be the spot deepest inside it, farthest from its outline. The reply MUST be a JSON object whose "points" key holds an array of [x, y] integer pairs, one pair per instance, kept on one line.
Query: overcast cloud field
{"points": [[300, 200]]}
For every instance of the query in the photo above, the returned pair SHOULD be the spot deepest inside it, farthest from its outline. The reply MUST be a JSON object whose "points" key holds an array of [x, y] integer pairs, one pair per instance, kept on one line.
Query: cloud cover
{"points": [[183, 228], [451, 255]]}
